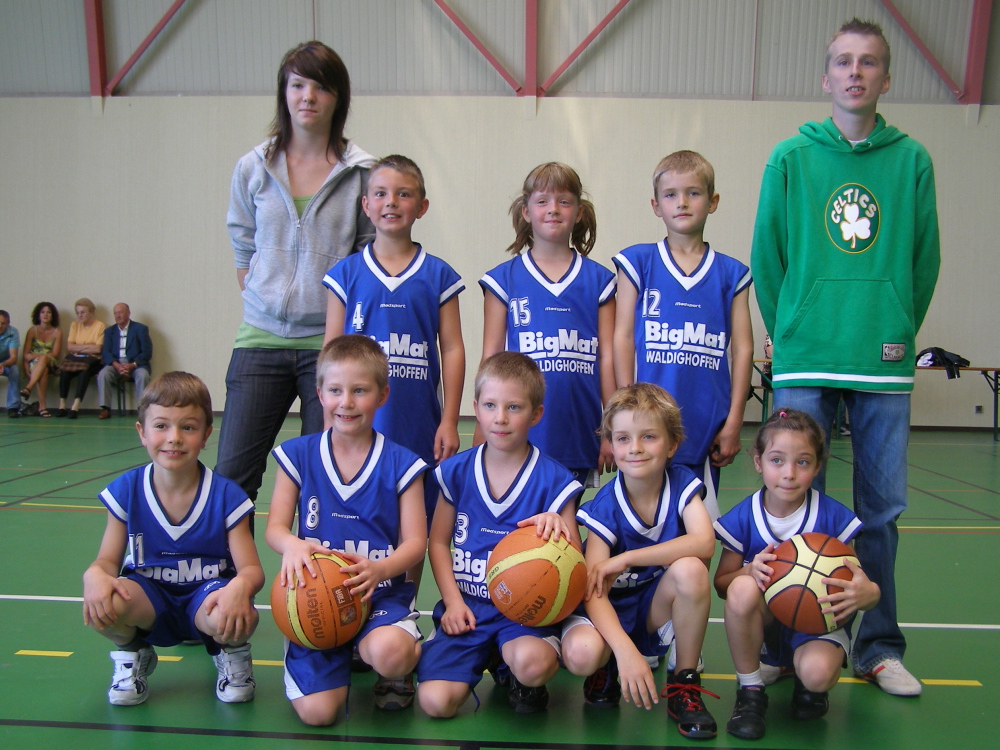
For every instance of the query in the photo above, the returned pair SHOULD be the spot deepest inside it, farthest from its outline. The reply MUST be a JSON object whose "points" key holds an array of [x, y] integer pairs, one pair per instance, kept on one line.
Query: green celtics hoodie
{"points": [[845, 257]]}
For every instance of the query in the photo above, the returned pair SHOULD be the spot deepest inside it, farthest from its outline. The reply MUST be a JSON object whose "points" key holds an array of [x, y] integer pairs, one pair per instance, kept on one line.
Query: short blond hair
{"points": [[84, 302], [683, 162], [176, 389], [516, 368], [644, 398], [405, 166], [353, 347]]}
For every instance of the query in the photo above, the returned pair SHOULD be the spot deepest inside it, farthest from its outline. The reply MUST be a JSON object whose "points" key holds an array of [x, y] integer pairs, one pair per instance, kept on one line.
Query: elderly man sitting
{"points": [[127, 351]]}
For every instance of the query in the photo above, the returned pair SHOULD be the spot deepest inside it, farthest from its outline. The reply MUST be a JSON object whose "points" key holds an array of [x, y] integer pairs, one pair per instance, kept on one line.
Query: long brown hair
{"points": [[554, 176], [316, 61]]}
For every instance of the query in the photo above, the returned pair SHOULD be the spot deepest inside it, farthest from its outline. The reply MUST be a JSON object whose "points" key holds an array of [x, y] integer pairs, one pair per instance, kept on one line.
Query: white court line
{"points": [[427, 613]]}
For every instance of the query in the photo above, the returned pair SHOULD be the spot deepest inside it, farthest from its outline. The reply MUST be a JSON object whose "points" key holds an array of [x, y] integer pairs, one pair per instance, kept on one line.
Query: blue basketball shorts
{"points": [[308, 671], [176, 609], [463, 658]]}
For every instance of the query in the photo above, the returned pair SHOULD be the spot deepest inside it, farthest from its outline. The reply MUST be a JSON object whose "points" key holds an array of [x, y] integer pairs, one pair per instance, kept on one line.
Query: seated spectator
{"points": [[127, 351], [10, 342], [42, 347], [86, 339]]}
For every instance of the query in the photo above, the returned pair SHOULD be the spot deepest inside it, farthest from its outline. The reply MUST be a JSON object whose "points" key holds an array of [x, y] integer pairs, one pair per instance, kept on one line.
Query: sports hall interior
{"points": [[119, 193]]}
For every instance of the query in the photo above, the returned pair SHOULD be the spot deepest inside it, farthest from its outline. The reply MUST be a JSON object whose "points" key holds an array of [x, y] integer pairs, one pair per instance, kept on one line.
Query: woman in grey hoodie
{"points": [[294, 211]]}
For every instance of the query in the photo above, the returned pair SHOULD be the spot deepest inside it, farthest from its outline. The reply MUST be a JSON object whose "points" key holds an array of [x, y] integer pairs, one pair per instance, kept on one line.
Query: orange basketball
{"points": [[533, 581], [795, 586], [322, 614]]}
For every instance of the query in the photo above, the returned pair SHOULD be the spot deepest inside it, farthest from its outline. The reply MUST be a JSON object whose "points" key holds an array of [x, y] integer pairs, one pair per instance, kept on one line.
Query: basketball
{"points": [[322, 614], [795, 586], [533, 581]]}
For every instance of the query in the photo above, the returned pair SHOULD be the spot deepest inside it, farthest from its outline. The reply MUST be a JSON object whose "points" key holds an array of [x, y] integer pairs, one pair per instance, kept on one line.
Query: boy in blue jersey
{"points": [[788, 453], [406, 300], [487, 492], [357, 493], [683, 320], [648, 538], [177, 561]]}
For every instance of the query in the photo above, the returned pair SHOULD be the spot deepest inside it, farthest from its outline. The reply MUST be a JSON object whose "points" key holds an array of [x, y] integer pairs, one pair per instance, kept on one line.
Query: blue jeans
{"points": [[880, 431], [13, 375], [261, 386]]}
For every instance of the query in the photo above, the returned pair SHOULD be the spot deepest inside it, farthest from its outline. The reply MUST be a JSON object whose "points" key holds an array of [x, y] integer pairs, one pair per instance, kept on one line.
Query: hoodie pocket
{"points": [[849, 321]]}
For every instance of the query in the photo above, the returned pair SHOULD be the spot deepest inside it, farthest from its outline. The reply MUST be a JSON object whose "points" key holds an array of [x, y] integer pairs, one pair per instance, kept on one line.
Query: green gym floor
{"points": [[54, 672]]}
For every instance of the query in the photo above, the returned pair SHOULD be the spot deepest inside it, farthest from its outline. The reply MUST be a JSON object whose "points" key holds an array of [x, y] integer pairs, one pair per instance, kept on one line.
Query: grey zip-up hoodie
{"points": [[286, 255]]}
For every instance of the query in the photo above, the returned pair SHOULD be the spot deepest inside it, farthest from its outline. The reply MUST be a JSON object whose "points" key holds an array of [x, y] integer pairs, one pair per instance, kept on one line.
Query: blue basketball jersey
{"points": [[555, 323], [745, 530], [682, 329], [611, 517], [360, 516], [183, 555], [403, 314], [482, 520]]}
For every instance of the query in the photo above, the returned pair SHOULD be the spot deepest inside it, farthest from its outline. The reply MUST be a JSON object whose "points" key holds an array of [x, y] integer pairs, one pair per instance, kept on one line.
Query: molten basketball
{"points": [[322, 614], [795, 586], [533, 581]]}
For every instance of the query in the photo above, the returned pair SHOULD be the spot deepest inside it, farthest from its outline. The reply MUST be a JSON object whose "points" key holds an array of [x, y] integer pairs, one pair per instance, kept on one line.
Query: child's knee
{"points": [[532, 663], [743, 597], [439, 699], [320, 709], [818, 667], [390, 651], [690, 576], [584, 650]]}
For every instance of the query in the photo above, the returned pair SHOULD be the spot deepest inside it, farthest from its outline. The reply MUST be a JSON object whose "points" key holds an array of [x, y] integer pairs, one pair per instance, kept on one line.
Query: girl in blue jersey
{"points": [[788, 453], [557, 306], [649, 537], [177, 561]]}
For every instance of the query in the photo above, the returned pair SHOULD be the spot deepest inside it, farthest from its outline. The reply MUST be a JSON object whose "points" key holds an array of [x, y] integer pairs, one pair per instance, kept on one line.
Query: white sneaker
{"points": [[128, 684], [236, 683], [894, 679], [770, 675]]}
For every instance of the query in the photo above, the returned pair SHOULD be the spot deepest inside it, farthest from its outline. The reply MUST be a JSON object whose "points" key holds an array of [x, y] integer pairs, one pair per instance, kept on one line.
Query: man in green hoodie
{"points": [[845, 257]]}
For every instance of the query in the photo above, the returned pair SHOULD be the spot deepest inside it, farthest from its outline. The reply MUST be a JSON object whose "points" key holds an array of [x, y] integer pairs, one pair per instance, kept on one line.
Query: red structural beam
{"points": [[530, 49], [975, 61], [924, 49], [446, 9], [110, 88], [583, 45], [93, 12]]}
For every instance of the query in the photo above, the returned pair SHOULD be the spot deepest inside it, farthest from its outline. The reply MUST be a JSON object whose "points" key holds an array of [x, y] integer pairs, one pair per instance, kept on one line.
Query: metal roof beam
{"points": [[109, 90], [483, 50], [583, 45], [93, 12], [975, 61]]}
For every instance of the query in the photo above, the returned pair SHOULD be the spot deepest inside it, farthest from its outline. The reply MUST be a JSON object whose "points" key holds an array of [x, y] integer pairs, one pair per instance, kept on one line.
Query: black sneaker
{"points": [[601, 689], [526, 700], [747, 721], [808, 705], [685, 706]]}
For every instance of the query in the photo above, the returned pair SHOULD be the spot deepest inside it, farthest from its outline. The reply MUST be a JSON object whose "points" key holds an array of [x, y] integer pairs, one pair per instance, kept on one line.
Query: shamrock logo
{"points": [[852, 228], [853, 217]]}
